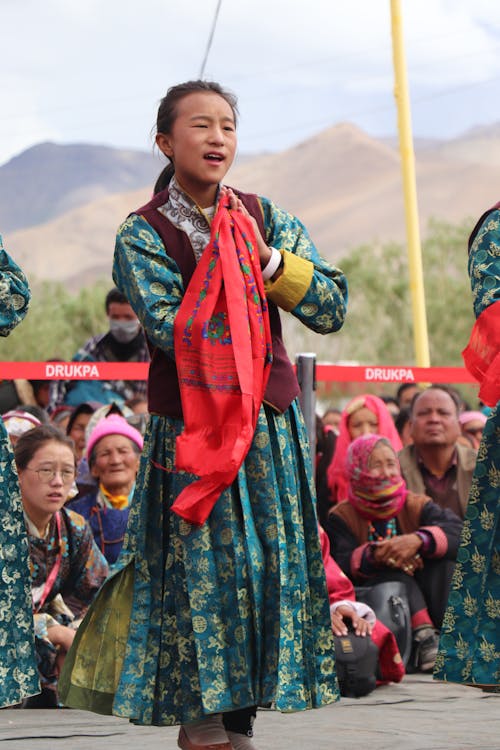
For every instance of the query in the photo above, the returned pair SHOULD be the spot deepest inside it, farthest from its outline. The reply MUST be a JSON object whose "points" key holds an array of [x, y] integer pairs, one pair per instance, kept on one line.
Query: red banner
{"points": [[398, 374], [139, 371]]}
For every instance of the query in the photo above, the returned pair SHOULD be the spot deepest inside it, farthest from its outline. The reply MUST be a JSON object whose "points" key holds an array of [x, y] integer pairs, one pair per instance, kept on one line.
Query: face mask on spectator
{"points": [[124, 330]]}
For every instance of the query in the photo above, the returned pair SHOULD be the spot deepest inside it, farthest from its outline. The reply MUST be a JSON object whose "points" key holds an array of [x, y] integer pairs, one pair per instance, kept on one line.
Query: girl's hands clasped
{"points": [[235, 204]]}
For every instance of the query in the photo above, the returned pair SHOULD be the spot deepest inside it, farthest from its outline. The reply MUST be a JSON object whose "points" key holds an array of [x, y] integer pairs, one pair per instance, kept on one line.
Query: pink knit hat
{"points": [[469, 416], [113, 425]]}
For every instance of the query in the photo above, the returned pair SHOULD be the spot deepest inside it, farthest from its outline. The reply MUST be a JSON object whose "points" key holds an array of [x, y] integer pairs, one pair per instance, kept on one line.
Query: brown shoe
{"points": [[185, 743]]}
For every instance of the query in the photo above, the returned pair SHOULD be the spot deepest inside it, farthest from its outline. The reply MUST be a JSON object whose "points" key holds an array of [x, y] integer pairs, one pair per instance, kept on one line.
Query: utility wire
{"points": [[210, 38]]}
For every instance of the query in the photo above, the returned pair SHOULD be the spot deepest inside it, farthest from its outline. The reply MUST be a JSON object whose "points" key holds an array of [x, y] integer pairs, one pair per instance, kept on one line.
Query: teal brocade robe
{"points": [[233, 613], [18, 672], [469, 650]]}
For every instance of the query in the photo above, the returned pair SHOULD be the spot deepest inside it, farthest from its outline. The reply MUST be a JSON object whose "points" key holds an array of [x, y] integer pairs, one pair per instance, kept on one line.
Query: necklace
{"points": [[390, 531]]}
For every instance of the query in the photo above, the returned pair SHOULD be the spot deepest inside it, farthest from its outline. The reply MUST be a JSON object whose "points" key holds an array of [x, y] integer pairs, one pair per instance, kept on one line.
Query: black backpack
{"points": [[389, 601], [356, 660]]}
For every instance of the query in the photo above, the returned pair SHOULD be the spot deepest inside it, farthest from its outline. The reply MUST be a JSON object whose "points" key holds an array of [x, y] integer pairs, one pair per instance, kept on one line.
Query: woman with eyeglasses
{"points": [[66, 566]]}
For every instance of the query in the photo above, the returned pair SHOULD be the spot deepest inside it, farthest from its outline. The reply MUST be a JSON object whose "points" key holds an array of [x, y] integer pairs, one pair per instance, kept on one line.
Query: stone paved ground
{"points": [[418, 714]]}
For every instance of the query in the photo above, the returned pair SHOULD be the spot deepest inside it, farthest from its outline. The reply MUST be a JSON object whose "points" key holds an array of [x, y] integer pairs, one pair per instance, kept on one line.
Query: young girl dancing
{"points": [[220, 603]]}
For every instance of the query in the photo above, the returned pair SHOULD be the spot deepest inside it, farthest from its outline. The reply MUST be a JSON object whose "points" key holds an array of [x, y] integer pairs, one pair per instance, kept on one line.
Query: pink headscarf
{"points": [[375, 498], [336, 474]]}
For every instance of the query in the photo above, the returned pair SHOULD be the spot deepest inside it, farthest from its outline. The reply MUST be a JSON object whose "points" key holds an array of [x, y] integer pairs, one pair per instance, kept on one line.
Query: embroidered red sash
{"points": [[223, 353], [482, 354]]}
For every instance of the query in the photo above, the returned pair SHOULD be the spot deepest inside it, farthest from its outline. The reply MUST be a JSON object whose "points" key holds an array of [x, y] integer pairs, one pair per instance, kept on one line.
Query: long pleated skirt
{"points": [[469, 649], [18, 670], [201, 620]]}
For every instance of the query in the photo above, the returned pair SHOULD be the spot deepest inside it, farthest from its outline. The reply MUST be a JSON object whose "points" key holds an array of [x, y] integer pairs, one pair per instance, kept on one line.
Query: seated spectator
{"points": [[17, 422], [41, 392], [78, 430], [383, 533], [326, 438], [123, 342], [60, 416], [138, 405], [331, 418], [345, 609], [472, 426], [140, 415], [15, 393], [406, 393], [67, 569], [36, 411], [77, 425], [435, 464], [113, 452], [403, 427], [362, 415], [392, 405]]}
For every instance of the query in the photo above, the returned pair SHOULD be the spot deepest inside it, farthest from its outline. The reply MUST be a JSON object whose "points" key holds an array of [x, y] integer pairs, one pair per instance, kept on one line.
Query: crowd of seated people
{"points": [[394, 488], [77, 466]]}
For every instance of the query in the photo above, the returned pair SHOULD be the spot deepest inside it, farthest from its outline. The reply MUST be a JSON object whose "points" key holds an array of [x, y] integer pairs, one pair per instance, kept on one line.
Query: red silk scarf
{"points": [[223, 353], [482, 354]]}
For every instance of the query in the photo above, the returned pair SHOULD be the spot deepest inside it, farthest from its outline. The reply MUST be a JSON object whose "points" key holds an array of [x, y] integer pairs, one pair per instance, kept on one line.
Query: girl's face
{"points": [[362, 422], [201, 144], [383, 462], [46, 481]]}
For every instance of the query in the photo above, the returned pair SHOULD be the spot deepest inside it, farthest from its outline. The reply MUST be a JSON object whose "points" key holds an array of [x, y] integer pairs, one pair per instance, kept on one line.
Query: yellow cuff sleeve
{"points": [[290, 288]]}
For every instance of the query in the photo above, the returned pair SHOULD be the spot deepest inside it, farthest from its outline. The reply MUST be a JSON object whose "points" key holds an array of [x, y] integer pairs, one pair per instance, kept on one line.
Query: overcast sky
{"points": [[93, 71]]}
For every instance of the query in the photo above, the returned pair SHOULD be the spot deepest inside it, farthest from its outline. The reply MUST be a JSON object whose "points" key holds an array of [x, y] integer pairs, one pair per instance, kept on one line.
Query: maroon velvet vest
{"points": [[163, 386]]}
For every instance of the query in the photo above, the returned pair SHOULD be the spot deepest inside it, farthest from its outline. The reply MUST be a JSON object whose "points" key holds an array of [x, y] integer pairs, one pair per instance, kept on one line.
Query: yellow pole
{"points": [[421, 341]]}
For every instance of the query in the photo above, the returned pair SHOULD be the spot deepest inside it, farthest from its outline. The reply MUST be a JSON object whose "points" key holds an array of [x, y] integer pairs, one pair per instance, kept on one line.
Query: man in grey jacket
{"points": [[436, 464]]}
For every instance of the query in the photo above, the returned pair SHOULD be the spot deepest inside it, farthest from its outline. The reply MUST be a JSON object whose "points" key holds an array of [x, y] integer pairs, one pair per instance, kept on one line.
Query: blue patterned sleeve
{"points": [[323, 306], [150, 279], [14, 293], [484, 264]]}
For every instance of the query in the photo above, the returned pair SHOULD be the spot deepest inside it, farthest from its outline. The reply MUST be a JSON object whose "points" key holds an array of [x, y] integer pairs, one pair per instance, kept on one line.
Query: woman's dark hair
{"points": [[31, 441], [86, 407], [36, 411], [326, 441], [401, 419], [114, 295], [167, 113], [402, 388]]}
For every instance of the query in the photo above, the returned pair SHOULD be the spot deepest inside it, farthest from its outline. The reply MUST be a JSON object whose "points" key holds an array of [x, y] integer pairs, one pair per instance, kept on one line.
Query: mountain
{"points": [[345, 185], [77, 247], [49, 179]]}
